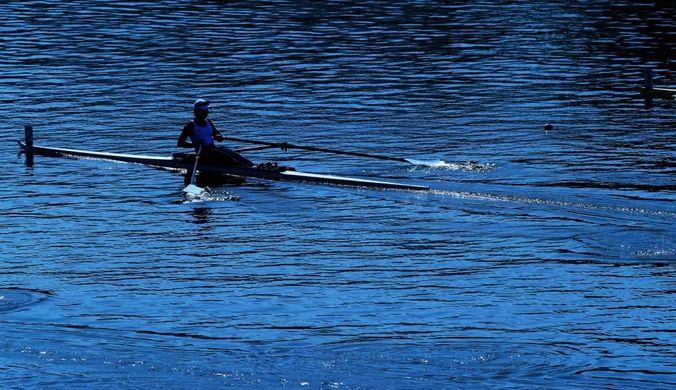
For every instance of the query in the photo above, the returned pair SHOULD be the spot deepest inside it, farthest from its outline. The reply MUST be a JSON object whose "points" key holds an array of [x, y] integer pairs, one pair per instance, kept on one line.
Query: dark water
{"points": [[540, 259]]}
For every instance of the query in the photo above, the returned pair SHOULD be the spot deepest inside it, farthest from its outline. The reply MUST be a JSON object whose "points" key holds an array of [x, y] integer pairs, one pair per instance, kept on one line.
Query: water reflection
{"points": [[202, 216], [30, 158]]}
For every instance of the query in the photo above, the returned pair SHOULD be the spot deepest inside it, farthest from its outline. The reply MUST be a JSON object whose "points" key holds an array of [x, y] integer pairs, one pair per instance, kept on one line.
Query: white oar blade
{"points": [[194, 191]]}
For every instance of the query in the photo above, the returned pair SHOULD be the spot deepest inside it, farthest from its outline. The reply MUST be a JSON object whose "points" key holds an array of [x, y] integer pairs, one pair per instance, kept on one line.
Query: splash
{"points": [[222, 196], [439, 164], [194, 193], [208, 195], [475, 166], [469, 166]]}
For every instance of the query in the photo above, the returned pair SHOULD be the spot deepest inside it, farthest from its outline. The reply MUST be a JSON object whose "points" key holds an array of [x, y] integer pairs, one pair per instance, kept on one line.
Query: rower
{"points": [[202, 131]]}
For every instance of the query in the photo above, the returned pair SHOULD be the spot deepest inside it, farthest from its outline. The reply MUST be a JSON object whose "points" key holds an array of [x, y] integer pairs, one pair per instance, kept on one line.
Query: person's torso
{"points": [[202, 133]]}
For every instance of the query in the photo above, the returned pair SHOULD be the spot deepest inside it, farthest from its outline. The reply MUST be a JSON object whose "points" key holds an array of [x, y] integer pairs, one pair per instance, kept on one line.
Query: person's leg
{"points": [[231, 157]]}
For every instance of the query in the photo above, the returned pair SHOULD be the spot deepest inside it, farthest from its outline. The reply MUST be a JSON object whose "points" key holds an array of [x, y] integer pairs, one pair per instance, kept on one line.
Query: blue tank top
{"points": [[202, 133]]}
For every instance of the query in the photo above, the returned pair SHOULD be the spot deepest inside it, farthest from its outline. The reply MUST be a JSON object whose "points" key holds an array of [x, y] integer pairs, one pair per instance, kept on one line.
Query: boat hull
{"points": [[179, 164], [660, 93]]}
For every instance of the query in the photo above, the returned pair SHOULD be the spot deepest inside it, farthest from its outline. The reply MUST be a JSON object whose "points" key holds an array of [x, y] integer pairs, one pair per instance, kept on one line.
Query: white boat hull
{"points": [[170, 162]]}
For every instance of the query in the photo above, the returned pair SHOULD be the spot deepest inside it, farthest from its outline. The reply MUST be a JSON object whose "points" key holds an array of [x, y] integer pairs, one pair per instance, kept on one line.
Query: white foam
{"points": [[194, 192], [470, 166], [439, 164]]}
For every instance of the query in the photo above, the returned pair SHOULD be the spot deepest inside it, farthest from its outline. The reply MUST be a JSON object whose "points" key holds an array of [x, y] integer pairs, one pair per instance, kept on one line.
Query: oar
{"points": [[240, 150], [284, 146], [192, 188]]}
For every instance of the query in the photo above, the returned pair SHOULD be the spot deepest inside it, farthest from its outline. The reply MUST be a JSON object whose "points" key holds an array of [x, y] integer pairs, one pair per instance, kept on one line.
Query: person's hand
{"points": [[218, 137]]}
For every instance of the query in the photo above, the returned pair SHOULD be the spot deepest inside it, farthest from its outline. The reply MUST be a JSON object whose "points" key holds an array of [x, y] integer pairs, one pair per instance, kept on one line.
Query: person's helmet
{"points": [[201, 105]]}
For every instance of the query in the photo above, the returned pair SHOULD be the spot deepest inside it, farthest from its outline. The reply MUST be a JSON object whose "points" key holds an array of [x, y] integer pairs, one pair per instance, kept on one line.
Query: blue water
{"points": [[538, 259]]}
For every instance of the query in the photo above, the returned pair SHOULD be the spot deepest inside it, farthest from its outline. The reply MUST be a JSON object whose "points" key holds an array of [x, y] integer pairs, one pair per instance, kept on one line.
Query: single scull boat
{"points": [[184, 161]]}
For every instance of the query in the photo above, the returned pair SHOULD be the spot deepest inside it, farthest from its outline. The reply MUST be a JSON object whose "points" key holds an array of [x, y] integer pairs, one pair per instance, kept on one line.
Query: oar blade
{"points": [[194, 192]]}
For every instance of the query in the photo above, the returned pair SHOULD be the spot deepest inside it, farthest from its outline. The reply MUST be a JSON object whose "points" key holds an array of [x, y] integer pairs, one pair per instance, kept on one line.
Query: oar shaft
{"points": [[240, 150], [285, 145], [194, 169]]}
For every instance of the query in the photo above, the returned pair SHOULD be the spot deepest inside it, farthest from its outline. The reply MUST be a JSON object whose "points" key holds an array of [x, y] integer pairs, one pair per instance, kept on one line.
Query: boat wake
{"points": [[613, 210], [12, 299]]}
